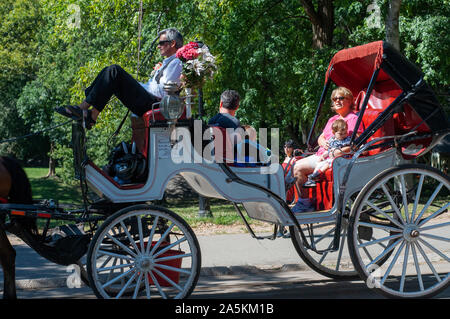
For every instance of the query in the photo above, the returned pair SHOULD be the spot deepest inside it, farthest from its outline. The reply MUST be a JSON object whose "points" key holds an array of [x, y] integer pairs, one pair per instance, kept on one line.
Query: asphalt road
{"points": [[272, 285]]}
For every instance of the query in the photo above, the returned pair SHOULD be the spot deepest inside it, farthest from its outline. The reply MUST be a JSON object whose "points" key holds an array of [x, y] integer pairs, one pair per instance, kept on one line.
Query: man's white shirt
{"points": [[171, 72]]}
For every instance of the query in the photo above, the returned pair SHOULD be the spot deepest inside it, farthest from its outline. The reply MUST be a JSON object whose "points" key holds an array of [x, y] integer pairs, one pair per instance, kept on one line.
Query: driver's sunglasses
{"points": [[340, 98], [162, 42]]}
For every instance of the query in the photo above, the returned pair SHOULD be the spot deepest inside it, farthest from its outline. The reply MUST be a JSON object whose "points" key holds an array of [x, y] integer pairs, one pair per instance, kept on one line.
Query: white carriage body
{"points": [[209, 180]]}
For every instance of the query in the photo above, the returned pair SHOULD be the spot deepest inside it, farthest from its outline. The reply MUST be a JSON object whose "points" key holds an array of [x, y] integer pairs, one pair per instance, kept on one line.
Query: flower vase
{"points": [[188, 102]]}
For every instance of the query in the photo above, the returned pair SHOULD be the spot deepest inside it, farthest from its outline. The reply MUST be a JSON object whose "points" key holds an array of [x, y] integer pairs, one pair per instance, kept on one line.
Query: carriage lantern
{"points": [[171, 106]]}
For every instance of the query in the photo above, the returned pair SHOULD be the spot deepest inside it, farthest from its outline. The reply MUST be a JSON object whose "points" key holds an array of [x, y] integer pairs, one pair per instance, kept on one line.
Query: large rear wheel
{"points": [[402, 216]]}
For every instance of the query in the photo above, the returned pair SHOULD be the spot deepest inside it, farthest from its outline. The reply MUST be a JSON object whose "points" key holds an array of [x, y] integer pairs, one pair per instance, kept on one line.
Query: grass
{"points": [[223, 213], [52, 187]]}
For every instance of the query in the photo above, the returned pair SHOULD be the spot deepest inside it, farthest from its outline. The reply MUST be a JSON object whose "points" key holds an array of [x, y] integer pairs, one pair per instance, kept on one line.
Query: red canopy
{"points": [[353, 68]]}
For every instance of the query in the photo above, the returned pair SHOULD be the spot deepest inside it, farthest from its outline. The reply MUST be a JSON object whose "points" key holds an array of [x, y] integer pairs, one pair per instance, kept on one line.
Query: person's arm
{"points": [[323, 142], [340, 151]]}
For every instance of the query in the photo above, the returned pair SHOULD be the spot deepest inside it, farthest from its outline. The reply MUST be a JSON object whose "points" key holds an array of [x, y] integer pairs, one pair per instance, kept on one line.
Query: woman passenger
{"points": [[342, 104]]}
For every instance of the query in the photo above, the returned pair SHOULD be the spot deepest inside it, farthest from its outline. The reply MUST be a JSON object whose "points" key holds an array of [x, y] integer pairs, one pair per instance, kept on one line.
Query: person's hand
{"points": [[325, 144], [182, 81]]}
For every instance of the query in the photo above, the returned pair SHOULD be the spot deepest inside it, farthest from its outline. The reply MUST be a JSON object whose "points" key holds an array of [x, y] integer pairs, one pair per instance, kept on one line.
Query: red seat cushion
{"points": [[140, 128], [377, 103]]}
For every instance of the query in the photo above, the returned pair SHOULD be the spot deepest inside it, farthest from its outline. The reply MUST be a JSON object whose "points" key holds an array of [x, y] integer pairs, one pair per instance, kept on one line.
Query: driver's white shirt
{"points": [[171, 73]]}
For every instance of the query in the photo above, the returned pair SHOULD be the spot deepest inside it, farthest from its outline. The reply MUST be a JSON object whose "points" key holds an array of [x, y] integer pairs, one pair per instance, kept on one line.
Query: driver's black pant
{"points": [[113, 80]]}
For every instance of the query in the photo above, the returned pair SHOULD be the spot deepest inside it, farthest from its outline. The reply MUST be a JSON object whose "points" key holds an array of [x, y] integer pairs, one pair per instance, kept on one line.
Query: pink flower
{"points": [[188, 52]]}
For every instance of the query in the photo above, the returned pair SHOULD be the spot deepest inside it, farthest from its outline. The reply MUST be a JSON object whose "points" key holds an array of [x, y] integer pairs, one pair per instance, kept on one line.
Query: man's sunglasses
{"points": [[340, 98], [162, 42]]}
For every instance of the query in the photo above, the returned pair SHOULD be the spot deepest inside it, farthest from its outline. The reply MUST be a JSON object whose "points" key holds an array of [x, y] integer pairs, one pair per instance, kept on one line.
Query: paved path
{"points": [[221, 254]]}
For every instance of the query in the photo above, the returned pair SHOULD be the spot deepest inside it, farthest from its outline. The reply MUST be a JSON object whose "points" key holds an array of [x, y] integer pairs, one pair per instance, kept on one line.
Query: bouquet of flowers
{"points": [[198, 64]]}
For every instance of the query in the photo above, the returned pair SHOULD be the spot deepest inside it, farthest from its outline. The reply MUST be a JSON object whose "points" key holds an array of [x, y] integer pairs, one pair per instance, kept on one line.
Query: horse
{"points": [[15, 188]]}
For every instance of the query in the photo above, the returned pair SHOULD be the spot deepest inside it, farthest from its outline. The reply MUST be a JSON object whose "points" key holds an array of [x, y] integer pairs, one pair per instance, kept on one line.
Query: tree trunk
{"points": [[392, 23], [51, 163], [322, 21]]}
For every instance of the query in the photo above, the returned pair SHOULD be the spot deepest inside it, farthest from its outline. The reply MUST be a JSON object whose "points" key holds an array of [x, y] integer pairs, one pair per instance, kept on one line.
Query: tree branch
{"points": [[310, 11]]}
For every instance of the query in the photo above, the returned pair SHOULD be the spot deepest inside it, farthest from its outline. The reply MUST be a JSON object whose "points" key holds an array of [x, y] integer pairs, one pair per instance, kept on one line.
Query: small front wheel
{"points": [[144, 251]]}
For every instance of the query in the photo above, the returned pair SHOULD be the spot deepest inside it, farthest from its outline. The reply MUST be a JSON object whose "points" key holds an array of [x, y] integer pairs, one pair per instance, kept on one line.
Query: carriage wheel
{"points": [[144, 251], [405, 211], [332, 264]]}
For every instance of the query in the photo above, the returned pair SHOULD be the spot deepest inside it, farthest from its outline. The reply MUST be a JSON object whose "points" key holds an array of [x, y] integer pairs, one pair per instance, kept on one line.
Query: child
{"points": [[336, 142]]}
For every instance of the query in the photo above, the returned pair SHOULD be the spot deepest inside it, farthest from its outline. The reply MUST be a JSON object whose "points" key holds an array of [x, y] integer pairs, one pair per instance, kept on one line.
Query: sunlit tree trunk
{"points": [[392, 23]]}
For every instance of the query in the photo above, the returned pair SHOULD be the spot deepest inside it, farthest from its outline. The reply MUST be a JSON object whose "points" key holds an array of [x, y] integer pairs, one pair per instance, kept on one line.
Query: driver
{"points": [[138, 97]]}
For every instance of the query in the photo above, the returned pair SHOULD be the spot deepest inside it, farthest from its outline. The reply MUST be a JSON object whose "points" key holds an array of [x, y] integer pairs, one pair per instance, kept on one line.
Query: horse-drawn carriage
{"points": [[393, 214]]}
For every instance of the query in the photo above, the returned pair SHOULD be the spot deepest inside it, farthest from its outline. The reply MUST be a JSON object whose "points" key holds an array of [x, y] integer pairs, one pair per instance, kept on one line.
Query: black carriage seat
{"points": [[380, 99], [140, 135]]}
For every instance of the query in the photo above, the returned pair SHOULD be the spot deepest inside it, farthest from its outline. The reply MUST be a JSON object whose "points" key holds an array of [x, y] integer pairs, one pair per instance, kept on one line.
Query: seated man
{"points": [[246, 151], [229, 103]]}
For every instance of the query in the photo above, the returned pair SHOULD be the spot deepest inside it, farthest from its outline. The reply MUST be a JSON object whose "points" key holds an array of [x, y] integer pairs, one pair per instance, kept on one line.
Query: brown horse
{"points": [[14, 188]]}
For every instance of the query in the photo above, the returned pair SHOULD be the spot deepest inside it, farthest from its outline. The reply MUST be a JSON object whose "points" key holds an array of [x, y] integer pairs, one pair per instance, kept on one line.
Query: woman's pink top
{"points": [[350, 119]]}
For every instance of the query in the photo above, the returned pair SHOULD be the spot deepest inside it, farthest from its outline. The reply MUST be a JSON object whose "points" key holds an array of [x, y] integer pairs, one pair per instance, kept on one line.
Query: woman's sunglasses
{"points": [[340, 98]]}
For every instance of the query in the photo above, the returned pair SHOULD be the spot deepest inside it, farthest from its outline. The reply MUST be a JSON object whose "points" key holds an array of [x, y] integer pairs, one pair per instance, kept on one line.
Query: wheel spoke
{"points": [[325, 254], [434, 249], [130, 238], [141, 236], [436, 213], [162, 251], [147, 285], [385, 252], [138, 285], [152, 233], [181, 270], [108, 253], [117, 278], [161, 240], [170, 281], [391, 201], [118, 243], [114, 267], [416, 263], [384, 214], [430, 265], [369, 243], [434, 226], [405, 200], [418, 193], [380, 226], [391, 265], [323, 236], [430, 200], [405, 267], [173, 257], [126, 285], [436, 237], [366, 251]]}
